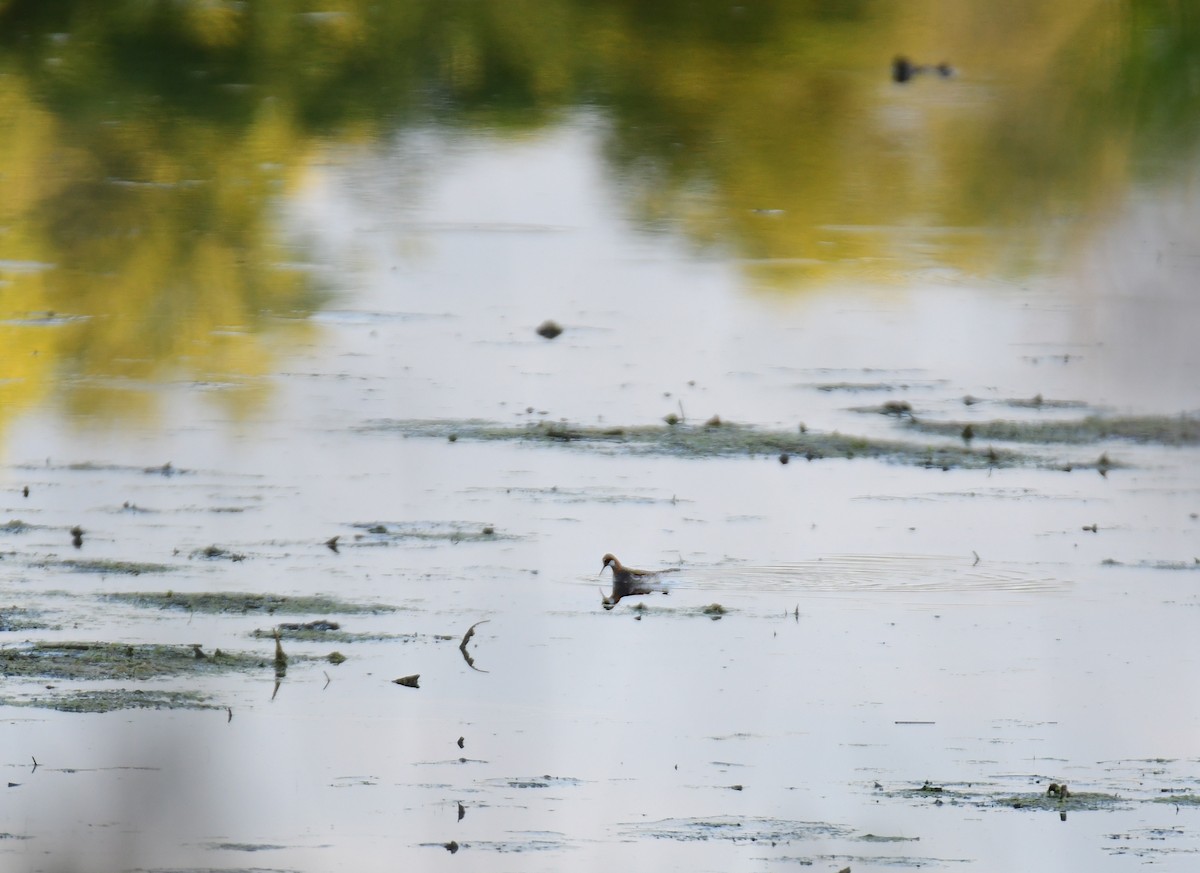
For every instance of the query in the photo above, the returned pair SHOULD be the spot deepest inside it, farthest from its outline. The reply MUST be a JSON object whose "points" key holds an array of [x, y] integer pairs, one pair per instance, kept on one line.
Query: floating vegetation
{"points": [[736, 828], [382, 533], [1168, 430], [117, 661], [965, 794], [214, 553], [323, 631], [111, 568], [15, 618], [829, 387], [1039, 402], [242, 602], [445, 531], [1072, 801], [1193, 564], [112, 700], [728, 440], [16, 526]]}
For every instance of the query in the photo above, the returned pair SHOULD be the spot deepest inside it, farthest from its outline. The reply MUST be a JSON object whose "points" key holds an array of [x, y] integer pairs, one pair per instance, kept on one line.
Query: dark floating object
{"points": [[968, 433], [320, 624], [783, 457], [25, 491], [903, 70], [1059, 791], [77, 536], [898, 408], [549, 329], [450, 847], [461, 741], [410, 682], [281, 659], [628, 581], [462, 810], [1091, 527], [462, 647], [331, 544]]}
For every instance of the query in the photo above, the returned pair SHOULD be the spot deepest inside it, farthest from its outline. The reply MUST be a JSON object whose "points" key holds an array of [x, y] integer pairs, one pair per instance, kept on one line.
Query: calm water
{"points": [[248, 241]]}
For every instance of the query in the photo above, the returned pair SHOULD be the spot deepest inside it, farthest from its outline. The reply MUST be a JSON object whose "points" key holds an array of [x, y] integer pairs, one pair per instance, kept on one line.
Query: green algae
{"points": [[243, 602], [112, 700], [16, 526], [15, 618], [111, 568], [91, 661], [724, 440], [328, 632], [966, 794], [1173, 430], [1076, 802]]}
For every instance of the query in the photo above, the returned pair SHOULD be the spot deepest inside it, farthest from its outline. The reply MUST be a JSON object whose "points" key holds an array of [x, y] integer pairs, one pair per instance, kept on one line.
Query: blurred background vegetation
{"points": [[146, 145]]}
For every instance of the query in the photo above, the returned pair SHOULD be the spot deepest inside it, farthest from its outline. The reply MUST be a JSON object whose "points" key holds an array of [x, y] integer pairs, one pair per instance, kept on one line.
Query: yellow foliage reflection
{"points": [[145, 143]]}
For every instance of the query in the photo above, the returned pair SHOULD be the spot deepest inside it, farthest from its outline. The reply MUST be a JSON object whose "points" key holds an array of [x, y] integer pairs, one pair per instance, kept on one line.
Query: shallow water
{"points": [[903, 656]]}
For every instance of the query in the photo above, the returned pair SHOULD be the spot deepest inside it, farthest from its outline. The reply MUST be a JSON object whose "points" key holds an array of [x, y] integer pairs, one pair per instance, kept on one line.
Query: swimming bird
{"points": [[628, 581]]}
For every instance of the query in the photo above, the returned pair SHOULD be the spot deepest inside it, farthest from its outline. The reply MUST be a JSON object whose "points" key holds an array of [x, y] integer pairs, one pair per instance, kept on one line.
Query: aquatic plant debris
{"points": [[1167, 430], [978, 795], [701, 441], [381, 532], [112, 700], [83, 661], [241, 601], [115, 568]]}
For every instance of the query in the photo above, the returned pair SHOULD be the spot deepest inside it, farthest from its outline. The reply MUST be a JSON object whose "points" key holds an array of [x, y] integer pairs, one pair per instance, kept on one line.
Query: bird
{"points": [[628, 581]]}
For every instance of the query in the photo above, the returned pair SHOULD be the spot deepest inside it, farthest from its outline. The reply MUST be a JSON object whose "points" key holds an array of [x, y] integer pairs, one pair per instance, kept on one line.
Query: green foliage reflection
{"points": [[143, 144]]}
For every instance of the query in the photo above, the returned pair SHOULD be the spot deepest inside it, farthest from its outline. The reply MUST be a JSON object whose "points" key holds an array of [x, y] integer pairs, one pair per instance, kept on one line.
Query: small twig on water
{"points": [[462, 647]]}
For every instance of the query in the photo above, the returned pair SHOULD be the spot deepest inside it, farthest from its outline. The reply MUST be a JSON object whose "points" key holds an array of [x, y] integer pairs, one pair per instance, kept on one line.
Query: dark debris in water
{"points": [[728, 440], [243, 602]]}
